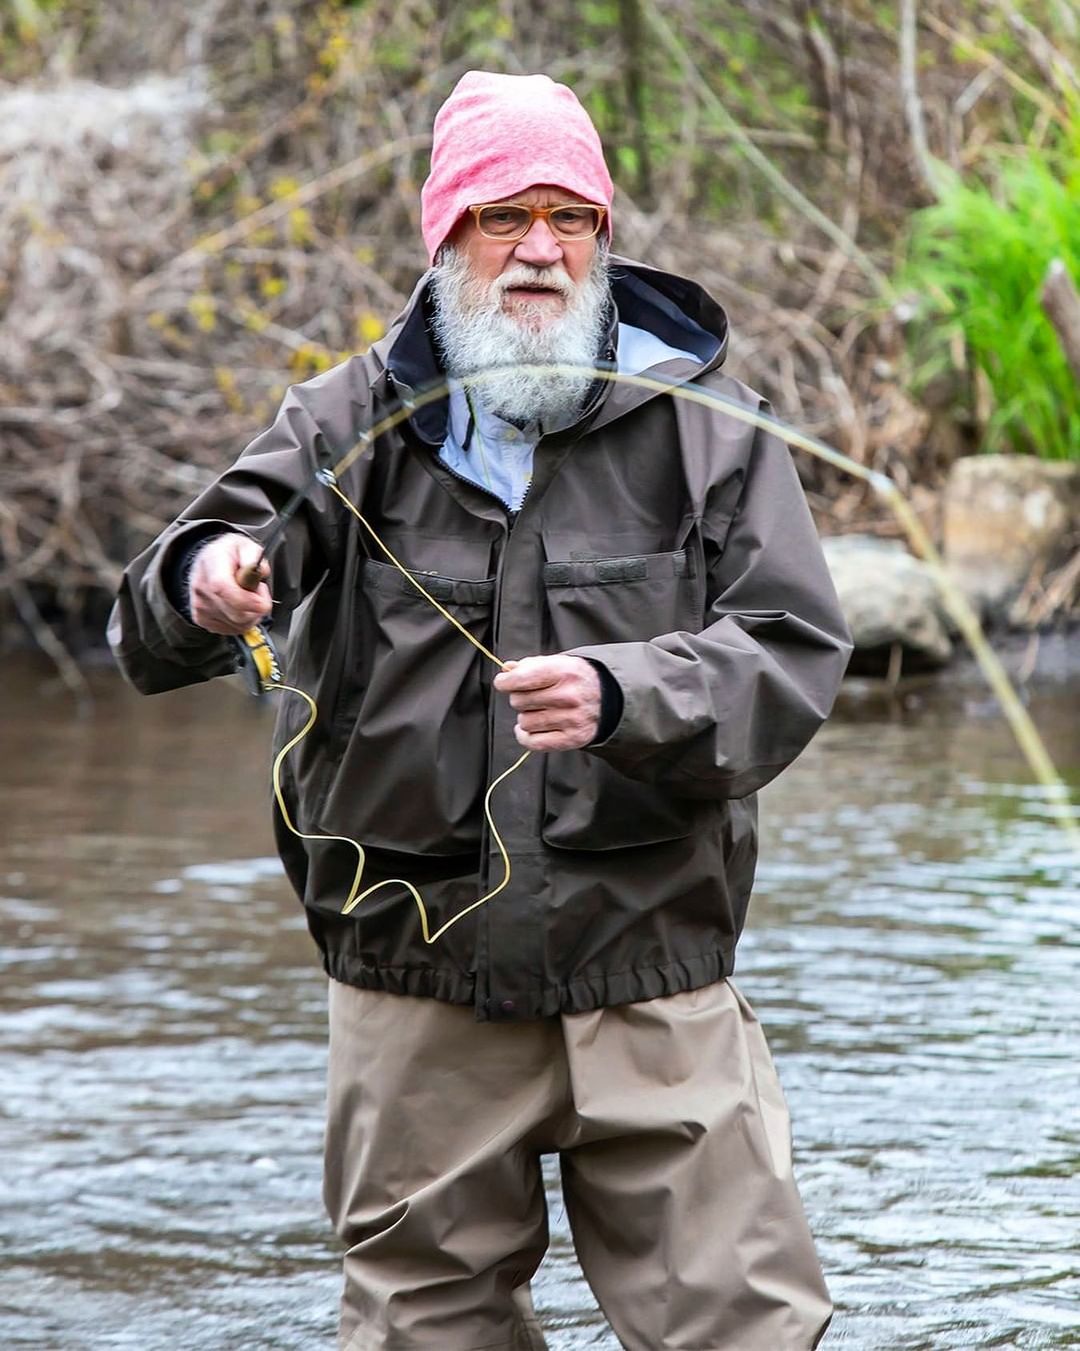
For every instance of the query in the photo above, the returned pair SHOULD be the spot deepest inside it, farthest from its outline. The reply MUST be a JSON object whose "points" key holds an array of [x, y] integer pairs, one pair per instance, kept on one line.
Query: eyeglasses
{"points": [[510, 222]]}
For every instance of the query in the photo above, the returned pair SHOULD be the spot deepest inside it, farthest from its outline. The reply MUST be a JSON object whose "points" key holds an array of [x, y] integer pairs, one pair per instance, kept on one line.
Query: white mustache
{"points": [[554, 278]]}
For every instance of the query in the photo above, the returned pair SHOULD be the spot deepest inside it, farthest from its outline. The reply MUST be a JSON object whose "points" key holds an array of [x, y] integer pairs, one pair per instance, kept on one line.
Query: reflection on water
{"points": [[912, 953]]}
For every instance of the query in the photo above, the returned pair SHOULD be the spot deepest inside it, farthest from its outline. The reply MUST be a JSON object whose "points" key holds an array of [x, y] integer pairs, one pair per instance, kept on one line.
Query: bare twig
{"points": [[928, 167], [1055, 68], [1061, 302]]}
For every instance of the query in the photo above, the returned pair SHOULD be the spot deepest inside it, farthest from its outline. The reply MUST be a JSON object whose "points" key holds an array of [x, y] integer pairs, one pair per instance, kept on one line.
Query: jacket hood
{"points": [[677, 310], [673, 309]]}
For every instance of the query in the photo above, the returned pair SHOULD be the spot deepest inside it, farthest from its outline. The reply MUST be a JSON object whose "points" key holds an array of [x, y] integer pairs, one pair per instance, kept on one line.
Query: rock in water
{"points": [[892, 605], [1007, 517]]}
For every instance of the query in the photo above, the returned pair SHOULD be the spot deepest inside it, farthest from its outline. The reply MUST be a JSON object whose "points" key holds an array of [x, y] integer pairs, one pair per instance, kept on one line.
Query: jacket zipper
{"points": [[478, 486]]}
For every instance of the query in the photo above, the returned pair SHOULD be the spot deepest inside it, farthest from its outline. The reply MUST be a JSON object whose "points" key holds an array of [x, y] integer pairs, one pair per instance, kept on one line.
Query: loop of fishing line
{"points": [[355, 895]]}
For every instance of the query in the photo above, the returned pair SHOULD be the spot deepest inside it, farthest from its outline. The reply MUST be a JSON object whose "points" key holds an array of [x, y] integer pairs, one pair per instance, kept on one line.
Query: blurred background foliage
{"points": [[978, 260], [200, 203]]}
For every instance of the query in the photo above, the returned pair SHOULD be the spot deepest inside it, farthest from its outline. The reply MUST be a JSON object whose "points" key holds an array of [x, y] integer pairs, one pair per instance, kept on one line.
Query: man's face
{"points": [[504, 308], [543, 271]]}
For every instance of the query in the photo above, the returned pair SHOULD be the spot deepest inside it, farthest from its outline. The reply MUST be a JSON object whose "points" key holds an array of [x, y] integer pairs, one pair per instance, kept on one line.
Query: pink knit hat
{"points": [[501, 134]]}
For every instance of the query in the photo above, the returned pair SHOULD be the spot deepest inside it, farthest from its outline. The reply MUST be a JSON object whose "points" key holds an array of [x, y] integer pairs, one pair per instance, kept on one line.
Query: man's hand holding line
{"points": [[557, 700]]}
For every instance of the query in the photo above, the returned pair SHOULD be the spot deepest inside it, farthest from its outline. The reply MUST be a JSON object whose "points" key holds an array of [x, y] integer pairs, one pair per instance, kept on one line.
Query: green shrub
{"points": [[977, 261]]}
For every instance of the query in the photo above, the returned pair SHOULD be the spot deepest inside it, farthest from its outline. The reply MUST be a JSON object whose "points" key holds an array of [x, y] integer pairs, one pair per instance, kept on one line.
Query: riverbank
{"points": [[203, 207]]}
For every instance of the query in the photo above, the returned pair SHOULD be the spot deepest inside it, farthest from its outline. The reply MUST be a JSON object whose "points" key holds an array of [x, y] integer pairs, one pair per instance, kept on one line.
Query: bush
{"points": [[978, 260]]}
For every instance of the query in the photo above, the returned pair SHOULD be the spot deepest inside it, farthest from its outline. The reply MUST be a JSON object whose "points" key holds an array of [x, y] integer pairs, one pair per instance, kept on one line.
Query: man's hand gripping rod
{"points": [[259, 660]]}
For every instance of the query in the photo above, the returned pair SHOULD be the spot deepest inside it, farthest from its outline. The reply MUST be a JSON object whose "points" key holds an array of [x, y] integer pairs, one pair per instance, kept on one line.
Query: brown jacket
{"points": [[660, 538]]}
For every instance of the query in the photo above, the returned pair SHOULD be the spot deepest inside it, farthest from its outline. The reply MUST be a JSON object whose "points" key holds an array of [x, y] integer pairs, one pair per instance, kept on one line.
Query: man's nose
{"points": [[538, 245]]}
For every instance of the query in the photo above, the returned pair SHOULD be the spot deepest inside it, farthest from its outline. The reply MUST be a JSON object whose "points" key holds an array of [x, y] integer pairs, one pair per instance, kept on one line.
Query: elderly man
{"points": [[647, 572]]}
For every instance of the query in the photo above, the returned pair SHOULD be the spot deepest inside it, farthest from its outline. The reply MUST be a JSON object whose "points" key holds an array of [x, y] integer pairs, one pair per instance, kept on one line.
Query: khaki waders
{"points": [[674, 1146]]}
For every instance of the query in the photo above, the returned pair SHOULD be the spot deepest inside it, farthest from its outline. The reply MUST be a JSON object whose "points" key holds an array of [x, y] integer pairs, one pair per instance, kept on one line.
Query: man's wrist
{"points": [[611, 702], [176, 574]]}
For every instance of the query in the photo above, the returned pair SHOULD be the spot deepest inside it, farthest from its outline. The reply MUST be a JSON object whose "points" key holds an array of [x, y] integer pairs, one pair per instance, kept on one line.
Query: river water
{"points": [[912, 953]]}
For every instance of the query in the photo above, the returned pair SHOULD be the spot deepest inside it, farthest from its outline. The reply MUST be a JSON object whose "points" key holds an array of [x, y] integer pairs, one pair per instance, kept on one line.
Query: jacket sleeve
{"points": [[156, 646], [719, 713]]}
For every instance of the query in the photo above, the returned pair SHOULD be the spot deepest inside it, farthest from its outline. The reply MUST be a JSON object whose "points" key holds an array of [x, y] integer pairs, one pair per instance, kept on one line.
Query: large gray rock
{"points": [[1006, 519], [890, 600]]}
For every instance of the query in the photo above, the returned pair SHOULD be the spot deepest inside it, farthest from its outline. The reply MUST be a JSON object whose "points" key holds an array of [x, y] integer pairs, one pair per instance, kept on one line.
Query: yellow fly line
{"points": [[355, 895], [271, 680], [1027, 736]]}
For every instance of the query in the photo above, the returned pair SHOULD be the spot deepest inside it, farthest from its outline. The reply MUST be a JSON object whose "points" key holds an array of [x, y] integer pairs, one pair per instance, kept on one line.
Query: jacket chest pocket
{"points": [[414, 722], [630, 598]]}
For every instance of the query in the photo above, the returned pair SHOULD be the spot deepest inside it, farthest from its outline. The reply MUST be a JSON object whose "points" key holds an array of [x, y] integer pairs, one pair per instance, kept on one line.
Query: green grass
{"points": [[977, 261]]}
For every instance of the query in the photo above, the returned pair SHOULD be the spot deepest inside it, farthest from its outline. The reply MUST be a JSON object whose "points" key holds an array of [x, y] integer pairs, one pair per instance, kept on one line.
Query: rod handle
{"points": [[249, 577]]}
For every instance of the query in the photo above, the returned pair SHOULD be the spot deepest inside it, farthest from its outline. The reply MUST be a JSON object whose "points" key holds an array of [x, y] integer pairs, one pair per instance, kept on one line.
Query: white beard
{"points": [[478, 337]]}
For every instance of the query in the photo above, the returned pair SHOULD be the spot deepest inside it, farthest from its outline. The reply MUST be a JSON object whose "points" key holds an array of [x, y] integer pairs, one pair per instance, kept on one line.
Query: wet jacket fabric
{"points": [[660, 538]]}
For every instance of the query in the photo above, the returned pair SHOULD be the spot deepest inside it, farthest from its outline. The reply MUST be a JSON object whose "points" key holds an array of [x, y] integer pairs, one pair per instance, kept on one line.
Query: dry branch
{"points": [[909, 58], [1061, 302]]}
